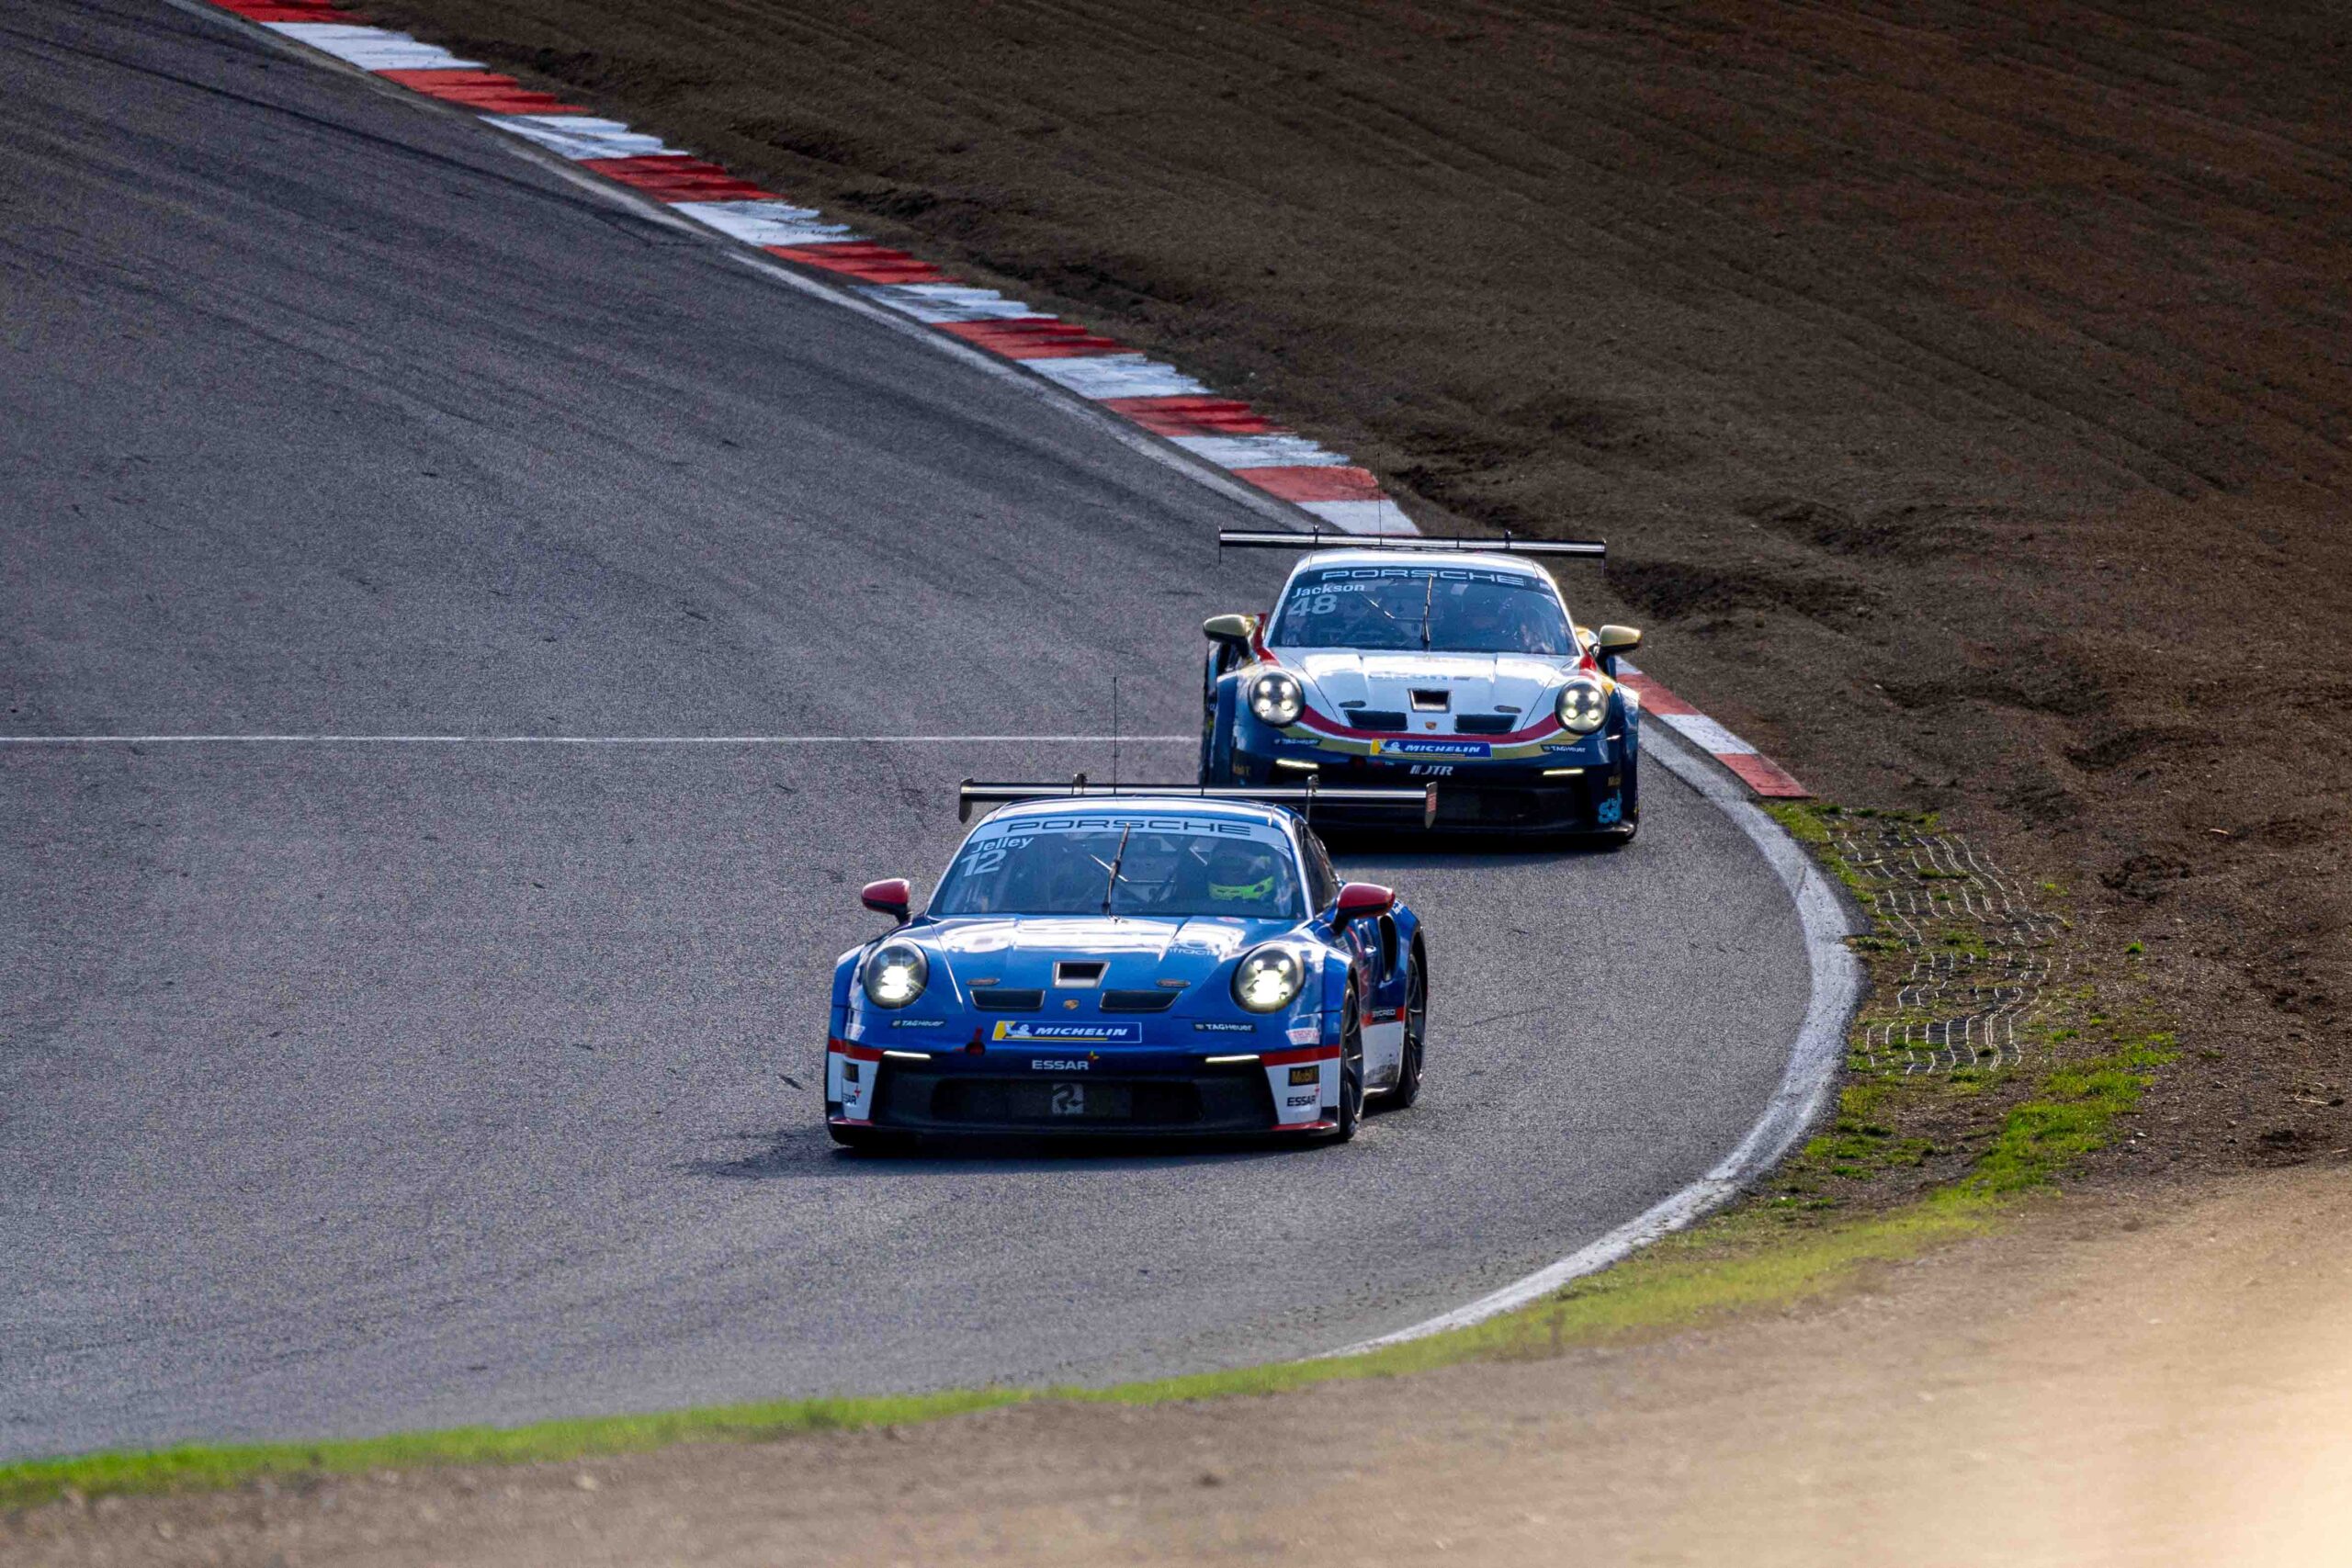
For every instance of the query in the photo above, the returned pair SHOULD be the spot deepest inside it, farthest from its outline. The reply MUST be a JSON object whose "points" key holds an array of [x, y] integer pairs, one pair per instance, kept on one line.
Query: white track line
{"points": [[589, 740], [1837, 983]]}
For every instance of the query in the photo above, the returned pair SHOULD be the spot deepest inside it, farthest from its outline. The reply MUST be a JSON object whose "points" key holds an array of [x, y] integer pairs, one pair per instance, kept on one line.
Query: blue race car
{"points": [[1139, 960], [1395, 660]]}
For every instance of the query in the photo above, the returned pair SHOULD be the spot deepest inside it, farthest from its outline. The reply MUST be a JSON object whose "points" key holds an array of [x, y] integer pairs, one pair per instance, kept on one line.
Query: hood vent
{"points": [[1007, 999], [1139, 1001], [1078, 973], [1430, 701]]}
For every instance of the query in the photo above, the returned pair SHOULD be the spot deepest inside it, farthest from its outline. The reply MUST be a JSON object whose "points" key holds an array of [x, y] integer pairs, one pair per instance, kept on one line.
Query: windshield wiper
{"points": [[1118, 857], [1395, 620], [1428, 603]]}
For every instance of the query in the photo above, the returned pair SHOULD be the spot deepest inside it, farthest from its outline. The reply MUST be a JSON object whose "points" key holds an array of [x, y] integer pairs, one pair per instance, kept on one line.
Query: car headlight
{"points": [[1266, 980], [1584, 707], [1276, 698], [896, 974]]}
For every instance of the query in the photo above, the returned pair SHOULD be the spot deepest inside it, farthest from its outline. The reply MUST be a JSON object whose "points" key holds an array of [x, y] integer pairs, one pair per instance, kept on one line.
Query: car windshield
{"points": [[1101, 862], [1441, 609]]}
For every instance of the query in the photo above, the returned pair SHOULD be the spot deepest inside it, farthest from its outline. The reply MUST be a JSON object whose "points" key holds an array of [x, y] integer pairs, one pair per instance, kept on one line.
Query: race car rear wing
{"points": [[1305, 796], [1246, 539]]}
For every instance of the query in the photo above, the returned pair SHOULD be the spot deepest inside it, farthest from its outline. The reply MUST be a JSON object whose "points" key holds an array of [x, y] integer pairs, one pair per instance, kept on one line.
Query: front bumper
{"points": [[1582, 788], [1078, 1094]]}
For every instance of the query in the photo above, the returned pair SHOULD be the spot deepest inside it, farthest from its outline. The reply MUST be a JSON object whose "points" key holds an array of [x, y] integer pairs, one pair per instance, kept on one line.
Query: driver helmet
{"points": [[1243, 873], [1521, 624]]}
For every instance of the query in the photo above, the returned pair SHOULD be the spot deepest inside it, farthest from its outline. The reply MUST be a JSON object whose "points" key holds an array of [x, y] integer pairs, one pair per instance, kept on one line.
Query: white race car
{"points": [[1401, 661]]}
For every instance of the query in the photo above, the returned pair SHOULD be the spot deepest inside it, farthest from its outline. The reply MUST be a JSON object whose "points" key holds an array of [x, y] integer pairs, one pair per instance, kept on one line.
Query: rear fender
{"points": [[1408, 931]]}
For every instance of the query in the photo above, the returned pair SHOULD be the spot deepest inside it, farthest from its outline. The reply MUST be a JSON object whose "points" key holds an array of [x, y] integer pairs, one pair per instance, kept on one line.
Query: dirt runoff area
{"points": [[2125, 1382], [1964, 389]]}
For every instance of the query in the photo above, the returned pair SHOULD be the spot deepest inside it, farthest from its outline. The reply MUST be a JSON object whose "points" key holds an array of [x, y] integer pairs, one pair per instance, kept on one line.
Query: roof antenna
{"points": [[1114, 732]]}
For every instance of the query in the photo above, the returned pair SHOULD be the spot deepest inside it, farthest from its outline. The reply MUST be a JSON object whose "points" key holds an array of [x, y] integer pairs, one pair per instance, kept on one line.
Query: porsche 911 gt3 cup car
{"points": [[1398, 660], [1135, 960]]}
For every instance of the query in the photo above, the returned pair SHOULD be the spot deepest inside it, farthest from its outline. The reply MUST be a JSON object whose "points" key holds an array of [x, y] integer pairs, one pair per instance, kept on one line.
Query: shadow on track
{"points": [[795, 1153]]}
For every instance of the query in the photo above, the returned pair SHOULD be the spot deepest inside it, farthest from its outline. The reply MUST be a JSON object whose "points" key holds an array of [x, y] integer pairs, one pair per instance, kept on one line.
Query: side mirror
{"points": [[1229, 628], [1361, 901], [1614, 640], [892, 896]]}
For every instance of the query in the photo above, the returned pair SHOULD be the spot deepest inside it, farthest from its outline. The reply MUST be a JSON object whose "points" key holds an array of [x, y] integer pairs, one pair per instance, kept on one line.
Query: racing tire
{"points": [[1350, 1077], [1408, 1088], [873, 1140]]}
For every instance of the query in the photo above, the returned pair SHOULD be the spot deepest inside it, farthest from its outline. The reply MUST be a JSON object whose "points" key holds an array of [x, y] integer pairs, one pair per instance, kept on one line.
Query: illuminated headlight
{"points": [[1267, 979], [1583, 706], [1276, 698], [896, 974]]}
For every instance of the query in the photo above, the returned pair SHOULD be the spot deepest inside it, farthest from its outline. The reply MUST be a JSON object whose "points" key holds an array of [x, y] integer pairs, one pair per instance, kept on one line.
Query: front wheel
{"points": [[1351, 1075]]}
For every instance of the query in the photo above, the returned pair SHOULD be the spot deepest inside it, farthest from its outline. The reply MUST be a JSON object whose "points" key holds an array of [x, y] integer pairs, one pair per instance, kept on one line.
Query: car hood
{"points": [[1021, 952], [1477, 682]]}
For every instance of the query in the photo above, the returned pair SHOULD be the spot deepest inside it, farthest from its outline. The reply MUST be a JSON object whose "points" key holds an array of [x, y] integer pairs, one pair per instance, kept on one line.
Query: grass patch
{"points": [[1860, 1141], [2072, 1115]]}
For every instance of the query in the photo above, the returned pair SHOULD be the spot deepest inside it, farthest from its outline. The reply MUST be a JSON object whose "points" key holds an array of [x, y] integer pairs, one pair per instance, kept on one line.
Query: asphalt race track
{"points": [[349, 1086]]}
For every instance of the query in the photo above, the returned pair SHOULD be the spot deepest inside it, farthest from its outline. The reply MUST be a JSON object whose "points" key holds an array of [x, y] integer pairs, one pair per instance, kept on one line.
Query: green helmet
{"points": [[1242, 874]]}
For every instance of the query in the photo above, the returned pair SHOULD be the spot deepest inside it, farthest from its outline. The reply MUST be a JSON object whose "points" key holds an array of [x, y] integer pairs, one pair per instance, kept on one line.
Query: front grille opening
{"points": [[1483, 723], [1030, 1103], [1430, 701], [1079, 973], [1007, 999], [1377, 718], [1139, 1001], [1509, 807]]}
